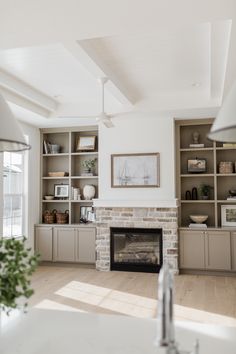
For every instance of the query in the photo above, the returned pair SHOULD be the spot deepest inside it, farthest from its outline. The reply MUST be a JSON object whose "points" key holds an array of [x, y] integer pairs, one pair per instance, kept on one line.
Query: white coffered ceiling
{"points": [[159, 56]]}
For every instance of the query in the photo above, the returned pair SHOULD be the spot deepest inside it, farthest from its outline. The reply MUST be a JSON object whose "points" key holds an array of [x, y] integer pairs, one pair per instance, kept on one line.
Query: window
{"points": [[14, 193]]}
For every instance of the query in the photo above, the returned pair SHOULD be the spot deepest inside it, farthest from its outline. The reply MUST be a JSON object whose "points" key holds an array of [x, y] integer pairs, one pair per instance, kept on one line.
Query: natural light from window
{"points": [[14, 191]]}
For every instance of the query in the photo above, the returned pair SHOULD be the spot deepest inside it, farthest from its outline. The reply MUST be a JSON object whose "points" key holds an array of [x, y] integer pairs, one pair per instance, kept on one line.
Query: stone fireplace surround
{"points": [[148, 215]]}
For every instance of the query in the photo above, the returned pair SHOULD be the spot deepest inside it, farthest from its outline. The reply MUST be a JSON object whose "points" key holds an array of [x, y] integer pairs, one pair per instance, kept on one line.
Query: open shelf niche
{"points": [[221, 183], [69, 160]]}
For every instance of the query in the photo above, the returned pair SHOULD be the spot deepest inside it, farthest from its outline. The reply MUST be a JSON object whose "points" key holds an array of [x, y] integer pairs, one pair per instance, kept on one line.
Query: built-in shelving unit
{"points": [[214, 153], [69, 160]]}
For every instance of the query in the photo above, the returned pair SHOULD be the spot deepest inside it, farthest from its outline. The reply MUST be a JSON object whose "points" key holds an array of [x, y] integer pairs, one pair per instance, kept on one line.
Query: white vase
{"points": [[89, 191]]}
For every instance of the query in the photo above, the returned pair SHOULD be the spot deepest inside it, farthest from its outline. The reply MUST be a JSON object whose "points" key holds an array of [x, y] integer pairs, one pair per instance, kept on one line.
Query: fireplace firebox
{"points": [[136, 249]]}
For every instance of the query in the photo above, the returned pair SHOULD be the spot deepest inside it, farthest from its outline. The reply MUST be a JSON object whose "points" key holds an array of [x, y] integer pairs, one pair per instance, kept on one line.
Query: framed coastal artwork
{"points": [[135, 170]]}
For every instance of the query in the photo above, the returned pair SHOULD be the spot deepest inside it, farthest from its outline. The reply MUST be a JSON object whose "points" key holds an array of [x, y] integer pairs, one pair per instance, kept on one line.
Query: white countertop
{"points": [[61, 332]]}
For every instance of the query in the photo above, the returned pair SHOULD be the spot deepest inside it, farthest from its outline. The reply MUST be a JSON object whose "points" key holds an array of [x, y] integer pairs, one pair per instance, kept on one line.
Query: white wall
{"points": [[133, 134], [33, 179]]}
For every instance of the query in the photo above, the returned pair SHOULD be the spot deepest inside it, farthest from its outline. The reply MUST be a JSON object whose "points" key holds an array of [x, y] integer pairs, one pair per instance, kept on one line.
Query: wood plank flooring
{"points": [[206, 299]]}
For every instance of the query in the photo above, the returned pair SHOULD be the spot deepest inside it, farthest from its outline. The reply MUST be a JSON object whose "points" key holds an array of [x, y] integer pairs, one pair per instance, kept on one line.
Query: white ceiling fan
{"points": [[102, 117]]}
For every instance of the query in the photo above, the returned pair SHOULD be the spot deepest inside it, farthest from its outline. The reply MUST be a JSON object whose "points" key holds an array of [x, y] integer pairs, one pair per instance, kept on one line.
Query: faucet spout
{"points": [[166, 335], [165, 318]]}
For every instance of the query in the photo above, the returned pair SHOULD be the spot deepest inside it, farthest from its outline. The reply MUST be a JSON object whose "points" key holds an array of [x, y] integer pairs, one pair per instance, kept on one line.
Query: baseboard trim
{"points": [[207, 272]]}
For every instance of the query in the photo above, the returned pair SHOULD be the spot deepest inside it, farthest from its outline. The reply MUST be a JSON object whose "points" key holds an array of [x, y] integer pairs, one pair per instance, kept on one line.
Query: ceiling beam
{"points": [[13, 97], [92, 63], [22, 94]]}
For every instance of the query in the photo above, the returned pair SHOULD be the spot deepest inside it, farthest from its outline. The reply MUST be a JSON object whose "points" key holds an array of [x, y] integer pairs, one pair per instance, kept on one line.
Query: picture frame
{"points": [[197, 165], [86, 143], [85, 212], [61, 191], [138, 170], [228, 215]]}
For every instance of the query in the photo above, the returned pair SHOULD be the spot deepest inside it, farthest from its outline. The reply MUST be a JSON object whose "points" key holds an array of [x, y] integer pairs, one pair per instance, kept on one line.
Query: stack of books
{"points": [[231, 197], [229, 145], [196, 145], [197, 226], [87, 174]]}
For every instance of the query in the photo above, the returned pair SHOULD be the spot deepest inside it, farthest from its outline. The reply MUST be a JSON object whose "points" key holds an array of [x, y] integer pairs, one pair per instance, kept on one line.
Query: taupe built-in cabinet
{"points": [[207, 250], [72, 242], [213, 248], [66, 243]]}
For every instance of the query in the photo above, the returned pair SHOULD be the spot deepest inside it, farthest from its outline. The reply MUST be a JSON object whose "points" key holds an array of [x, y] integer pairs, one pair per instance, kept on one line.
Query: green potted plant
{"points": [[17, 264], [89, 166], [204, 191]]}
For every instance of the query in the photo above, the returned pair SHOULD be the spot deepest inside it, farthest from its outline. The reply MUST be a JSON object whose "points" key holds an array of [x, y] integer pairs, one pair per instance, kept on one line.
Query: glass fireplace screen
{"points": [[136, 246]]}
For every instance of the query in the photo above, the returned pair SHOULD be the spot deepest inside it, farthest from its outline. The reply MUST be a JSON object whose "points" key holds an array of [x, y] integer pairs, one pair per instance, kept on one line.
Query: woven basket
{"points": [[62, 218], [226, 167], [49, 216], [58, 174]]}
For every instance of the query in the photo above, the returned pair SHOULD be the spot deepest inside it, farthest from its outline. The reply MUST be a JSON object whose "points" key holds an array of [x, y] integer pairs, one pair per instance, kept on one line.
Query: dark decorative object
{"points": [[197, 165], [188, 195], [194, 194]]}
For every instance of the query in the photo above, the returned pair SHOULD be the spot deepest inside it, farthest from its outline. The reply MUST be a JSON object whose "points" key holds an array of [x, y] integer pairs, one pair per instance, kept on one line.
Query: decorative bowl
{"points": [[49, 197], [198, 219]]}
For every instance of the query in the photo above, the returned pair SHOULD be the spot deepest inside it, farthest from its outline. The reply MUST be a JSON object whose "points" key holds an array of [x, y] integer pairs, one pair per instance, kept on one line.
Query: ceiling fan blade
{"points": [[78, 116], [108, 123], [114, 115]]}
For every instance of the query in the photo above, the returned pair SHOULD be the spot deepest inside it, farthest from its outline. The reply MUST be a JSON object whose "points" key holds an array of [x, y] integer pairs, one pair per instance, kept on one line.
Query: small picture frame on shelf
{"points": [[197, 165], [86, 143], [228, 215], [61, 191]]}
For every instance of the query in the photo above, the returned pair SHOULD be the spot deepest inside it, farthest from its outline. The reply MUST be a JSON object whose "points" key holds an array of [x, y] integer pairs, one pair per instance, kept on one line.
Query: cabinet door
{"points": [[64, 240], [192, 249], [85, 248], [218, 255], [43, 242], [233, 250]]}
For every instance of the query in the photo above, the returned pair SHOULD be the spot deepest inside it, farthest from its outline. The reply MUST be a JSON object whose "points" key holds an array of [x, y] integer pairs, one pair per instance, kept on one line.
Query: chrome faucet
{"points": [[165, 318]]}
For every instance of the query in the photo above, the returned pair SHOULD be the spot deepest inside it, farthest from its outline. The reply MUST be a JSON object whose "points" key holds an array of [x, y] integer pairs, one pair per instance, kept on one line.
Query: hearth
{"points": [[136, 249]]}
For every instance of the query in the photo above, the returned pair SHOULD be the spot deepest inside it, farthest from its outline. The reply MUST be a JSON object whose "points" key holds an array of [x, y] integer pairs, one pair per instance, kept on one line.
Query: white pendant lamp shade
{"points": [[11, 136], [224, 127]]}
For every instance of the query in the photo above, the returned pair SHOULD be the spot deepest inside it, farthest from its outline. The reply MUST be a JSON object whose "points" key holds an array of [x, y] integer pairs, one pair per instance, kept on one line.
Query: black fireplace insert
{"points": [[136, 249]]}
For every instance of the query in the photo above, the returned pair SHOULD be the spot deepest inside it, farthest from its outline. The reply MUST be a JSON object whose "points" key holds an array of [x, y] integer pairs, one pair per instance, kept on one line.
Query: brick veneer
{"points": [[165, 218]]}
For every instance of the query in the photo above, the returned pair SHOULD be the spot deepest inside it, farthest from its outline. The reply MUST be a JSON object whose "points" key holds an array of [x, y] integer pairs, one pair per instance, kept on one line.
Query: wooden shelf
{"points": [[84, 153], [56, 177], [226, 201], [197, 175], [226, 174], [198, 201], [225, 148], [67, 201], [82, 201], [197, 149], [84, 177], [56, 155], [55, 201]]}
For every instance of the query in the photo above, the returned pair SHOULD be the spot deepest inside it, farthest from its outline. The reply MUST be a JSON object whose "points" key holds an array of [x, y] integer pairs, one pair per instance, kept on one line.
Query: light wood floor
{"points": [[207, 299]]}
